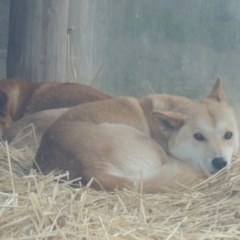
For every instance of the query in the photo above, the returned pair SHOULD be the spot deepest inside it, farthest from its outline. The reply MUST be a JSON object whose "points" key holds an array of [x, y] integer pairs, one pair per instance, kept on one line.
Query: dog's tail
{"points": [[171, 176]]}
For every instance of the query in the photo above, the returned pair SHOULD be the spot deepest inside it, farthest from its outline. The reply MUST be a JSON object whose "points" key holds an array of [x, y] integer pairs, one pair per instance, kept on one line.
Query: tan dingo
{"points": [[112, 141], [19, 98]]}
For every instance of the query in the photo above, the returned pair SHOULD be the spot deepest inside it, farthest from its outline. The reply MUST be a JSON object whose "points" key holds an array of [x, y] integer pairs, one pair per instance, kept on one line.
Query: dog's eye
{"points": [[228, 135], [199, 137]]}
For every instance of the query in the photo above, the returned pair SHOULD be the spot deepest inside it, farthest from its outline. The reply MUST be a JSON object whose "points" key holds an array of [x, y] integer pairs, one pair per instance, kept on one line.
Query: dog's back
{"points": [[61, 95], [19, 97]]}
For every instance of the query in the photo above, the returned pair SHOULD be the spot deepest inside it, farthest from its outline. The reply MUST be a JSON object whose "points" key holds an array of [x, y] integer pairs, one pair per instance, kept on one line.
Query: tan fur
{"points": [[21, 133], [109, 140], [28, 131], [19, 98], [160, 102], [115, 155]]}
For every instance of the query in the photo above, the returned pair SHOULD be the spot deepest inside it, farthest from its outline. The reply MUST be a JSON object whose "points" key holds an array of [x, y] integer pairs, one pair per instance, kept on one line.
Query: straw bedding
{"points": [[36, 207]]}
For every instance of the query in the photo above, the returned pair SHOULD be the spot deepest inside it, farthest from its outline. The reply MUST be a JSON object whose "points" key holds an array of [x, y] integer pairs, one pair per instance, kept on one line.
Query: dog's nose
{"points": [[219, 163]]}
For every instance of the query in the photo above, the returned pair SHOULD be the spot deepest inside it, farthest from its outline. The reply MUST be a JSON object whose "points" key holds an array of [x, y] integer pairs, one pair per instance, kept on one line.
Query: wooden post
{"points": [[37, 40]]}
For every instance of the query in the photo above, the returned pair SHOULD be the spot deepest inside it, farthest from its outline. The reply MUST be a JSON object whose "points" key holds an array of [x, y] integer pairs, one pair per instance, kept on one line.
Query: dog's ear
{"points": [[3, 103], [167, 121], [217, 91]]}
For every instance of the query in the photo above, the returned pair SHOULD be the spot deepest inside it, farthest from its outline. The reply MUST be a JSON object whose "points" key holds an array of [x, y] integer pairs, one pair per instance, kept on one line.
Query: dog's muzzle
{"points": [[219, 163]]}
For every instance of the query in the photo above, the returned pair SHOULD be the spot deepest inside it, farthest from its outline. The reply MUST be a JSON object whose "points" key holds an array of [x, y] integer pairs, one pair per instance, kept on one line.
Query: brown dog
{"points": [[110, 141], [19, 98]]}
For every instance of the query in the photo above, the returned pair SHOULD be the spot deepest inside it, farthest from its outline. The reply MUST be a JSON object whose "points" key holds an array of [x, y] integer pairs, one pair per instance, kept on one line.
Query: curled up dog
{"points": [[159, 140]]}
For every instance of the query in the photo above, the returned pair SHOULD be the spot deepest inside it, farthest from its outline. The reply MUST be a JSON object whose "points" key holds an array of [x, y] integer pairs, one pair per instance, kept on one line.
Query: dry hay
{"points": [[36, 207]]}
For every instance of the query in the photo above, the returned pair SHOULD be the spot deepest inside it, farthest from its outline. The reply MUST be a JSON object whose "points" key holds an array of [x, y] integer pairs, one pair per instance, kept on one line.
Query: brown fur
{"points": [[110, 140], [160, 102], [21, 133], [110, 154], [28, 131], [20, 97]]}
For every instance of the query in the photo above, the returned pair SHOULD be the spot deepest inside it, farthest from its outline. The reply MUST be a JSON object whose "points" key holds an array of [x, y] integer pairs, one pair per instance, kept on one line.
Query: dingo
{"points": [[20, 97], [110, 140]]}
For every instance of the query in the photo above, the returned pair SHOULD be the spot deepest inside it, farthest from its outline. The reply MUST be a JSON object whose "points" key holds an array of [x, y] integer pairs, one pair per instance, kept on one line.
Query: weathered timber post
{"points": [[37, 40]]}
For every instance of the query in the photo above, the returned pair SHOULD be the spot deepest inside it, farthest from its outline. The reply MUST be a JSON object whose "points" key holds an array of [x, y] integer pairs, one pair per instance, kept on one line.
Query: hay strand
{"points": [[33, 206]]}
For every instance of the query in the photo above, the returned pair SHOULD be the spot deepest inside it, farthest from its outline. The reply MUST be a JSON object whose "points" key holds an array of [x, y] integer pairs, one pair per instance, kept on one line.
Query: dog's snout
{"points": [[219, 163]]}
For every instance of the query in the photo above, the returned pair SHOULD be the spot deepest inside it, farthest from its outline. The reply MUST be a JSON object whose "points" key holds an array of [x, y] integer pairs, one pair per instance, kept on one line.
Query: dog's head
{"points": [[202, 133], [13, 93], [5, 117]]}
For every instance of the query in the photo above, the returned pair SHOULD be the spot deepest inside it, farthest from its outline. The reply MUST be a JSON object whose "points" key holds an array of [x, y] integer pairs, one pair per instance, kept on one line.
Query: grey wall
{"points": [[176, 46]]}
